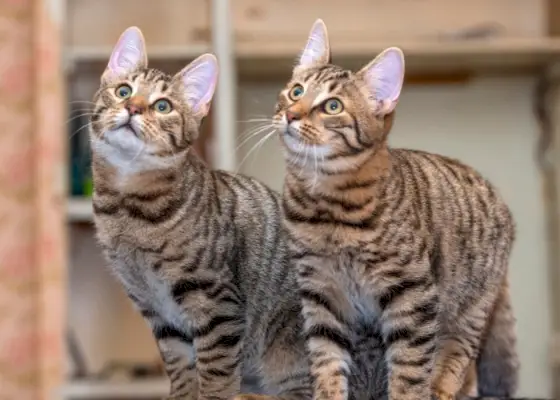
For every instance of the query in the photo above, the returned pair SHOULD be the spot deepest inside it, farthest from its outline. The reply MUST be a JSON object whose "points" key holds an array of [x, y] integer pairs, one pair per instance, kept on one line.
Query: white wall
{"points": [[488, 124]]}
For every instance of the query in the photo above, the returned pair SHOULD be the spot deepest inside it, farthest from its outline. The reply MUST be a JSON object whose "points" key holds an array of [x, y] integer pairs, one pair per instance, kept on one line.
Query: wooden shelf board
{"points": [[141, 389], [273, 58], [93, 54], [79, 210], [504, 56]]}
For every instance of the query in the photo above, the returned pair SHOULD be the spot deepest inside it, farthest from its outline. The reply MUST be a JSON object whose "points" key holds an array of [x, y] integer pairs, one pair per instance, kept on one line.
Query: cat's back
{"points": [[448, 193]]}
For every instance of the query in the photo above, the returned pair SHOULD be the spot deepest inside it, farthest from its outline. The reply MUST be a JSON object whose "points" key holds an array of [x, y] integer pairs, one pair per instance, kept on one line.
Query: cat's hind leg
{"points": [[472, 307], [470, 384], [459, 349], [498, 362]]}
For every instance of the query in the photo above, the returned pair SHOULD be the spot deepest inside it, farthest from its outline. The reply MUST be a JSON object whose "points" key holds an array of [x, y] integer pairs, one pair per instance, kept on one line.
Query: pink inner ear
{"points": [[317, 47], [386, 77], [129, 53], [200, 81]]}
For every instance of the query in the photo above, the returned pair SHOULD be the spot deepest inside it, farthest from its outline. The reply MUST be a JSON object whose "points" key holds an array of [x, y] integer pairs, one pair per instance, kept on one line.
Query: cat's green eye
{"points": [[333, 106], [296, 92], [123, 91], [163, 106]]}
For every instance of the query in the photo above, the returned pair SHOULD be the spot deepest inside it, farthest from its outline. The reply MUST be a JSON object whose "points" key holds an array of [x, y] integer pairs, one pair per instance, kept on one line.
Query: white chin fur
{"points": [[309, 157], [300, 152], [126, 152]]}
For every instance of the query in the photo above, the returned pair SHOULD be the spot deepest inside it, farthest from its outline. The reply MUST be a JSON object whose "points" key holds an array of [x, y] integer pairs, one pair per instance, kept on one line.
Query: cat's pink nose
{"points": [[134, 109], [292, 116]]}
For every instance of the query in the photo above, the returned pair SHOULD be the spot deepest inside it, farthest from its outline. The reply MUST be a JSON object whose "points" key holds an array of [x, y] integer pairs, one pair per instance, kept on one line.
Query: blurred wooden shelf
{"points": [[79, 209], [273, 58], [141, 389], [94, 53], [484, 56]]}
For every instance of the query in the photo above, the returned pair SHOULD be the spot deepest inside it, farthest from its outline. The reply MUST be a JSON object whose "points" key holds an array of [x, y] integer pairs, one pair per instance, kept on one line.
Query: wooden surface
{"points": [[259, 61]]}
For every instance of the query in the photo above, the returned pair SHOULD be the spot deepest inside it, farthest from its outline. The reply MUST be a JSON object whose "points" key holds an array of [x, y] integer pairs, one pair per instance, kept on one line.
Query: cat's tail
{"points": [[495, 398], [498, 361]]}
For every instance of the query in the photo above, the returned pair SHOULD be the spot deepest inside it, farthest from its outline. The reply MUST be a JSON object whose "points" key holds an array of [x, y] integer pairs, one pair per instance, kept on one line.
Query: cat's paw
{"points": [[442, 395], [251, 396]]}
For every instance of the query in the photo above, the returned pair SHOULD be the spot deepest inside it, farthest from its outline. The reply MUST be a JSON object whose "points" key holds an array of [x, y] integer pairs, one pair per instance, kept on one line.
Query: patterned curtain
{"points": [[32, 206]]}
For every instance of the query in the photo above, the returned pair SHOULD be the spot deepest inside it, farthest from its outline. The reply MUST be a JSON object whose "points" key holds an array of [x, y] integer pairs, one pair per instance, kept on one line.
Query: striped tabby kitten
{"points": [[201, 253], [416, 241]]}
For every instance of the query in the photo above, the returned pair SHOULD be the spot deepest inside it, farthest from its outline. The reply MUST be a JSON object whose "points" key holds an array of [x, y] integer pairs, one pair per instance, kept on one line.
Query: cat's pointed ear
{"points": [[317, 50], [384, 78], [129, 55], [199, 80]]}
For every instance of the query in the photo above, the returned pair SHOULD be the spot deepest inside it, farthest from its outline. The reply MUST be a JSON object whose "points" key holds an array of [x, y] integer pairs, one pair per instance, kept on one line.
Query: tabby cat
{"points": [[415, 241], [201, 253]]}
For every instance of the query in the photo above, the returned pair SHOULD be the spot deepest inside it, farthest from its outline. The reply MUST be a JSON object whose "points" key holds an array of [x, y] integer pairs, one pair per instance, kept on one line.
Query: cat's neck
{"points": [[175, 172], [370, 175]]}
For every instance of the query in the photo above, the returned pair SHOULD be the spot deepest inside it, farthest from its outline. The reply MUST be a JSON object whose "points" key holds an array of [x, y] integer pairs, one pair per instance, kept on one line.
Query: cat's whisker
{"points": [[262, 140], [165, 143], [294, 159], [261, 145], [77, 110], [78, 116], [161, 140], [82, 101], [150, 127], [302, 169], [137, 155], [316, 176], [301, 154], [249, 131], [254, 120], [254, 134], [79, 129]]}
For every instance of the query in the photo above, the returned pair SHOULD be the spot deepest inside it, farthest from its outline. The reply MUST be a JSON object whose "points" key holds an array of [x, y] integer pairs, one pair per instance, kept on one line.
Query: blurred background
{"points": [[482, 86]]}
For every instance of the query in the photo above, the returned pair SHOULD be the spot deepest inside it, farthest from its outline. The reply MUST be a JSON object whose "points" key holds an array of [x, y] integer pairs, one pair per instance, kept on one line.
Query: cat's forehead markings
{"points": [[324, 90], [154, 95], [322, 96], [159, 90], [143, 90], [162, 85]]}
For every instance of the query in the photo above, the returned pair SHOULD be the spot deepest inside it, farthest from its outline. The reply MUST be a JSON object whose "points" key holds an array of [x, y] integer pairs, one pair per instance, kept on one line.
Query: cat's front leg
{"points": [[180, 369], [328, 338], [409, 314], [218, 331], [177, 352]]}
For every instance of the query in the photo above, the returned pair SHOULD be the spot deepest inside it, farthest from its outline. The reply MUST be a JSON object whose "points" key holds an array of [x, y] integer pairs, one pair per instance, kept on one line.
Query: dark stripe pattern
{"points": [[415, 242], [202, 254]]}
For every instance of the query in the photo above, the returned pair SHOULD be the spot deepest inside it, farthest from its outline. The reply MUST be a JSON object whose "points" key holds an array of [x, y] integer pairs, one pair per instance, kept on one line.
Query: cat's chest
{"points": [[150, 292], [349, 273], [333, 239]]}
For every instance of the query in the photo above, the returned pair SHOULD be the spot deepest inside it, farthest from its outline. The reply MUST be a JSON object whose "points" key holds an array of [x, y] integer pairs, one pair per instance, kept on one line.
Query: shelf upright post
{"points": [[547, 101], [225, 112]]}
